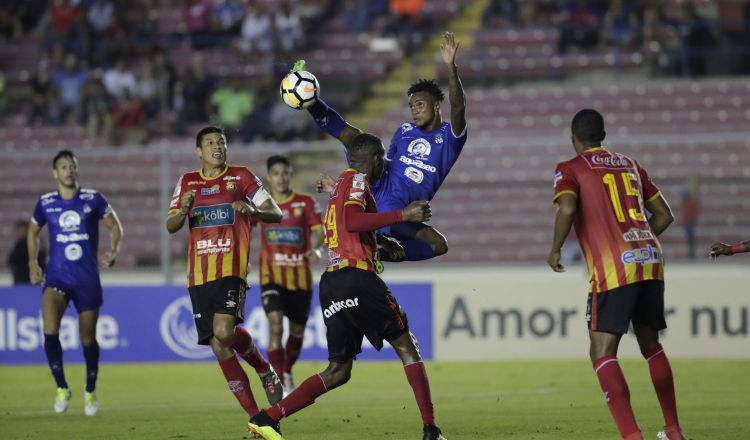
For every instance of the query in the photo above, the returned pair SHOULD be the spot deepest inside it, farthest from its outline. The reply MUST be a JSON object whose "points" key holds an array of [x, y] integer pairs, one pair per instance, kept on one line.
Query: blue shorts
{"points": [[85, 297], [392, 198]]}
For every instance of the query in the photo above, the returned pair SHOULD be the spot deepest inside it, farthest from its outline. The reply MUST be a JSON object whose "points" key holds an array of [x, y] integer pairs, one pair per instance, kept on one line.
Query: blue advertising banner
{"points": [[155, 323]]}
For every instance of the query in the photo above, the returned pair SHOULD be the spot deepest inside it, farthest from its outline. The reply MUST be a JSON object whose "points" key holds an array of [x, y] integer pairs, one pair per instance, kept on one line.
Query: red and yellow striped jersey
{"points": [[349, 249], [219, 240], [284, 245], [619, 246]]}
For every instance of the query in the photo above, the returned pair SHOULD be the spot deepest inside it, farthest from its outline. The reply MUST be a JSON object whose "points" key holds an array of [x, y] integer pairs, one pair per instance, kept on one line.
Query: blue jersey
{"points": [[418, 162], [73, 236]]}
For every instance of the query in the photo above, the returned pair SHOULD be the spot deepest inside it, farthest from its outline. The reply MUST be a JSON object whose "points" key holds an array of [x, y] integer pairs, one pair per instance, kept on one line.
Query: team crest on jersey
{"points": [[420, 148], [439, 139], [210, 191], [231, 186], [69, 221]]}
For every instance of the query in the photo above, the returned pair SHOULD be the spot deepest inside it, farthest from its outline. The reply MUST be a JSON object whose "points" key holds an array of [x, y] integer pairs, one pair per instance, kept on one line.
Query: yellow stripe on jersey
{"points": [[226, 264], [318, 226], [354, 202], [243, 259], [658, 193], [565, 191], [211, 267], [610, 269], [290, 284], [198, 271], [593, 274], [276, 273], [361, 265], [302, 278], [265, 277]]}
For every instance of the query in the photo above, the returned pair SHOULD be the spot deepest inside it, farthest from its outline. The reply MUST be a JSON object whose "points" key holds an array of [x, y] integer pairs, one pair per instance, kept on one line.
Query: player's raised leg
{"points": [[407, 350], [53, 307], [661, 376], [87, 329], [603, 352]]}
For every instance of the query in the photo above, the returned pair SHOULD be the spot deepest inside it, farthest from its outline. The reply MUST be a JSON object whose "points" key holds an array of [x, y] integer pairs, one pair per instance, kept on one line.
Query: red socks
{"points": [[303, 396], [617, 395], [661, 376], [276, 357], [239, 384], [417, 377], [245, 347], [293, 349]]}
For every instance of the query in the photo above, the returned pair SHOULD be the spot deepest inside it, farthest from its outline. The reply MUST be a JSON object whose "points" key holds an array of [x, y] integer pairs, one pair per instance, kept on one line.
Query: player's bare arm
{"points": [[177, 218], [267, 212], [325, 183], [417, 211], [566, 211], [112, 222], [456, 94], [391, 245], [661, 214], [32, 245], [317, 237], [729, 249]]}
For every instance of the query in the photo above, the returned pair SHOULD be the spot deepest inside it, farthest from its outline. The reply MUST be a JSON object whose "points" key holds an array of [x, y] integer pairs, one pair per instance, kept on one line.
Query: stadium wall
{"points": [[457, 314]]}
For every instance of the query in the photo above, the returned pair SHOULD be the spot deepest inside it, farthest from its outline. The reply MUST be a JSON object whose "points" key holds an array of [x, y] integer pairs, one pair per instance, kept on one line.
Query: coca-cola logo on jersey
{"points": [[609, 161]]}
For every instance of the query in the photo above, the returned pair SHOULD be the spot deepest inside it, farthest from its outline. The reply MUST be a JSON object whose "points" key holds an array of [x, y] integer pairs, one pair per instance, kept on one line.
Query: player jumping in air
{"points": [[73, 215], [729, 249], [285, 277], [355, 301], [218, 202], [419, 158], [604, 194]]}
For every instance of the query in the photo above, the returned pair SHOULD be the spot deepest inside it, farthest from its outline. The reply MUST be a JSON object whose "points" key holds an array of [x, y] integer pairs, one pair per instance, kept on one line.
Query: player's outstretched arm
{"points": [[356, 220], [267, 212], [32, 246], [661, 214], [456, 93], [177, 218], [729, 249], [112, 222], [328, 120], [566, 211]]}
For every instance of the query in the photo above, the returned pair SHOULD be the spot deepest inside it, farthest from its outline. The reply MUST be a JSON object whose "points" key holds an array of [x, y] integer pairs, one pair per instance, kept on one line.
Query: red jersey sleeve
{"points": [[250, 184], [565, 181], [174, 204], [650, 190], [355, 193]]}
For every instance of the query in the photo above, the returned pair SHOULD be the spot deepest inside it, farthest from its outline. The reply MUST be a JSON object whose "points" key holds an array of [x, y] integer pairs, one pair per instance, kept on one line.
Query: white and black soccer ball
{"points": [[299, 89]]}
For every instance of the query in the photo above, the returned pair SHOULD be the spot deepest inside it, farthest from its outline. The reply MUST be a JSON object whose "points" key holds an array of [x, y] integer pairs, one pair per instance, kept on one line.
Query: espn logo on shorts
{"points": [[338, 305], [210, 216]]}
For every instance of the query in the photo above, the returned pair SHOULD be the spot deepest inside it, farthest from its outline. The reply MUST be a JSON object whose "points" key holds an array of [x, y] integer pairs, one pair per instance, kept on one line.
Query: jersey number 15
{"points": [[614, 194]]}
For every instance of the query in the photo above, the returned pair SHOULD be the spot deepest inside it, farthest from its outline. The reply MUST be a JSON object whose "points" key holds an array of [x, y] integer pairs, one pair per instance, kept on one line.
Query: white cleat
{"points": [[662, 435], [61, 400], [289, 382], [90, 404]]}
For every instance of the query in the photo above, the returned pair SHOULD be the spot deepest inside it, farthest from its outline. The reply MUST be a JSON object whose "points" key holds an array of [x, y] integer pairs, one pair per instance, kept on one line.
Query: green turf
{"points": [[473, 400]]}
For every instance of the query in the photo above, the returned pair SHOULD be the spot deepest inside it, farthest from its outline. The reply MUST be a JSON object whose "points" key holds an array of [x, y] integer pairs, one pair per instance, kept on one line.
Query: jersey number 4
{"points": [[332, 234], [614, 194]]}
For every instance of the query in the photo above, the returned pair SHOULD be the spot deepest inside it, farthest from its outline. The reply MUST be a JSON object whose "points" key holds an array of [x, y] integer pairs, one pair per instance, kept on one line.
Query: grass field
{"points": [[473, 400]]}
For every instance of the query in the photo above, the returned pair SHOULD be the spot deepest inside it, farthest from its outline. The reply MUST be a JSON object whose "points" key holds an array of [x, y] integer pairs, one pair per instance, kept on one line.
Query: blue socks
{"points": [[54, 352], [91, 354]]}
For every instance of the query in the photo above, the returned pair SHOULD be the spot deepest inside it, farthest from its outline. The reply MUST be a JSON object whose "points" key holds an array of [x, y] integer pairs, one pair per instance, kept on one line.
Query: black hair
{"points": [[588, 127], [60, 154], [429, 86], [206, 130], [277, 158], [363, 146]]}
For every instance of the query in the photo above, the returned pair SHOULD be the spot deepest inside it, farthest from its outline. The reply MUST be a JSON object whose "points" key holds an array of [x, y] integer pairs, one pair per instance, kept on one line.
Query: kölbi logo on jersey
{"points": [[178, 330]]}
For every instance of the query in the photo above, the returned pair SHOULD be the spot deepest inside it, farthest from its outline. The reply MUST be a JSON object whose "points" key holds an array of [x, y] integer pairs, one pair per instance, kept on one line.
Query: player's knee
{"points": [[88, 340], [440, 246], [224, 336]]}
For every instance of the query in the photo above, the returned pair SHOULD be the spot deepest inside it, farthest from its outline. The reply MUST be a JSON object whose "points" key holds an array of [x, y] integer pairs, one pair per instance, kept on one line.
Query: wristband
{"points": [[737, 248]]}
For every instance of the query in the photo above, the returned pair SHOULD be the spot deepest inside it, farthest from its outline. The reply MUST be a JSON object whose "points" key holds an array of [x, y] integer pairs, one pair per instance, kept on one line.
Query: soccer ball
{"points": [[299, 89]]}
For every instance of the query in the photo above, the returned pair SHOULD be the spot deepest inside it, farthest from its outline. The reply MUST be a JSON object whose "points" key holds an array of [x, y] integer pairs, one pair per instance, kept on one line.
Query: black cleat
{"points": [[263, 426], [432, 432]]}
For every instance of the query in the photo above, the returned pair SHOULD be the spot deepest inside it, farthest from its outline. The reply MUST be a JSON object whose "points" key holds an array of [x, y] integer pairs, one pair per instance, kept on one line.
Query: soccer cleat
{"points": [[432, 432], [379, 268], [289, 382], [664, 436], [61, 400], [263, 426], [90, 404], [272, 386]]}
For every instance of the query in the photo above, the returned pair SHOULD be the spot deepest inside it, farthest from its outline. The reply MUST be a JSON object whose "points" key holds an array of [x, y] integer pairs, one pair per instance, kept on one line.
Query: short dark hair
{"points": [[429, 86], [363, 146], [206, 130], [277, 158], [588, 127], [60, 154]]}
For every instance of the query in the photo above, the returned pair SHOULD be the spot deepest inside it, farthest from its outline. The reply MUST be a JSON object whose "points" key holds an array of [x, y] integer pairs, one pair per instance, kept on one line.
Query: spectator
{"points": [[177, 110], [18, 258], [147, 90], [233, 105], [198, 17], [698, 40], [119, 78], [165, 76], [579, 26], [198, 86], [287, 123], [96, 104], [259, 123], [41, 86], [228, 15], [69, 81], [64, 14], [257, 31], [407, 20], [128, 120], [100, 17], [621, 25], [288, 27], [689, 214]]}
